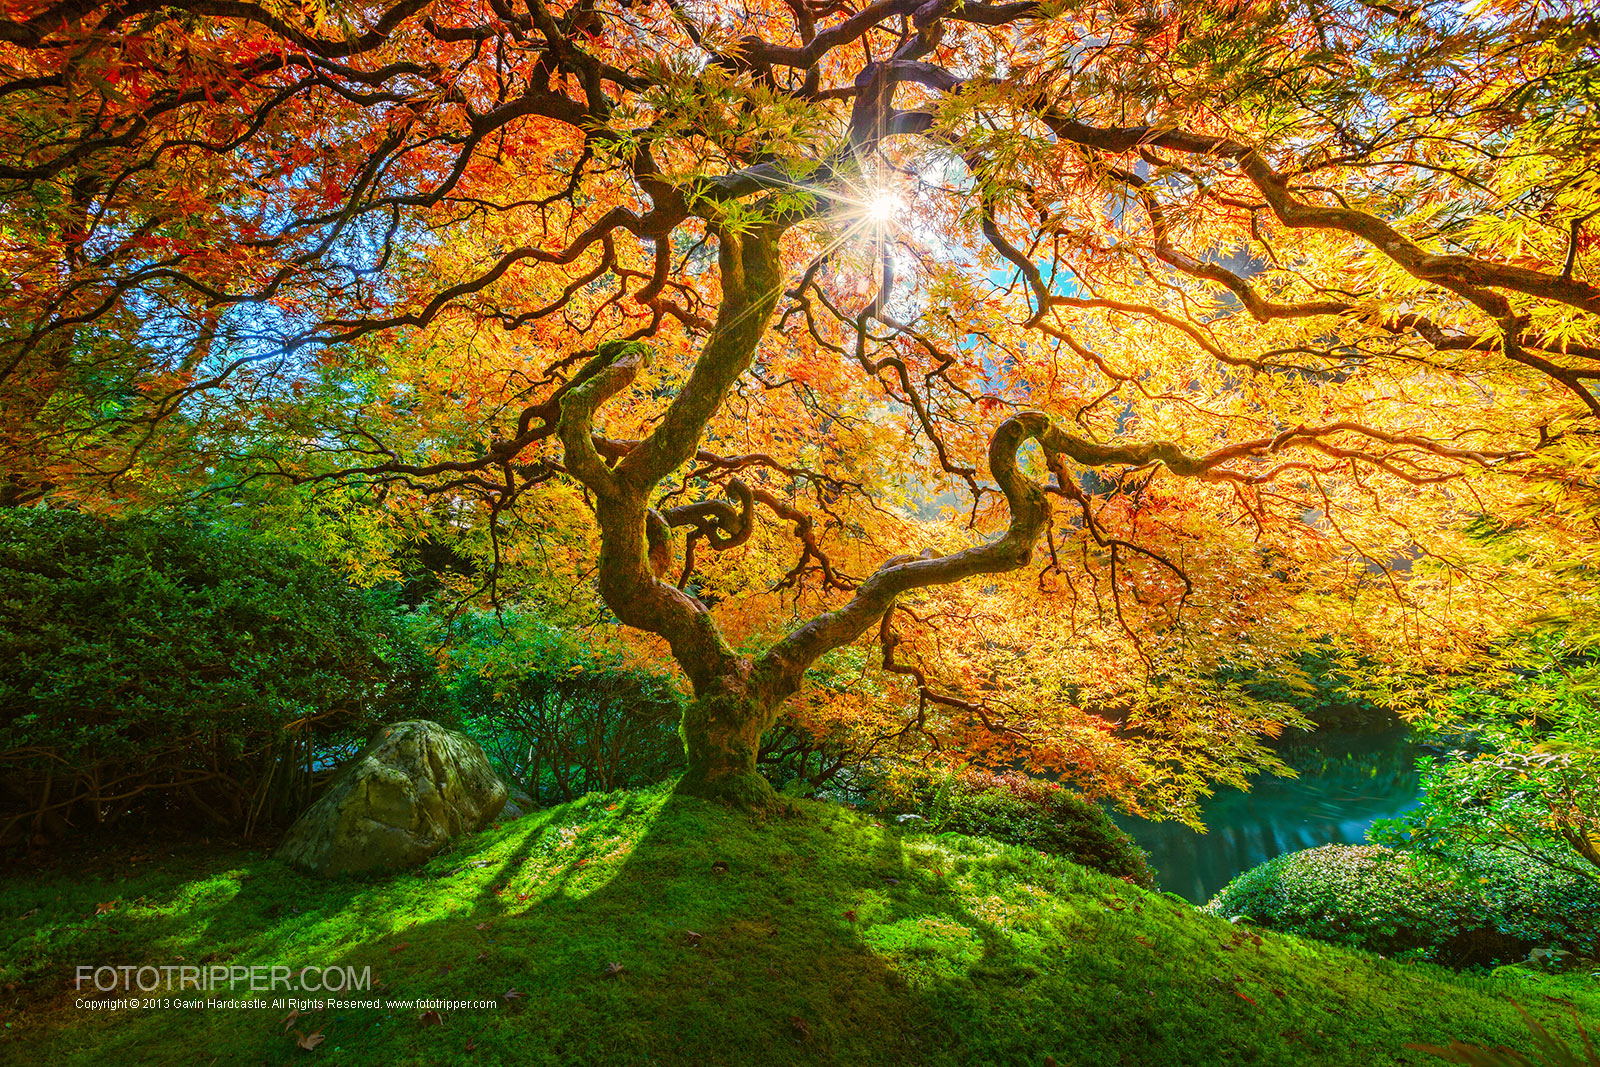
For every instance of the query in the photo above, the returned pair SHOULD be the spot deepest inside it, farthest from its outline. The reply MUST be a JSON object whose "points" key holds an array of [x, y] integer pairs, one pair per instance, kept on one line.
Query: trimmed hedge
{"points": [[1029, 812], [1397, 902], [188, 673]]}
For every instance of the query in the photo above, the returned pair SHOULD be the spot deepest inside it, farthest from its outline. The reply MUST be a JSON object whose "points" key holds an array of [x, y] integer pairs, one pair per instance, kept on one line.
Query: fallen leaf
{"points": [[288, 1020], [401, 947], [614, 970], [1247, 998], [308, 1041], [801, 1028], [483, 926], [471, 1045], [850, 916], [691, 937], [510, 995], [483, 955], [432, 1018], [101, 909]]}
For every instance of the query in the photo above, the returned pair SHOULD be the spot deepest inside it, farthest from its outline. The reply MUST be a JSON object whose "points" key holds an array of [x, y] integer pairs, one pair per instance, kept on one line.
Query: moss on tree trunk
{"points": [[721, 738]]}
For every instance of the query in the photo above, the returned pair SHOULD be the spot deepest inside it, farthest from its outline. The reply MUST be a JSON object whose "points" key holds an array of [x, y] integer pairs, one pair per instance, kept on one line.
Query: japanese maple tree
{"points": [[1200, 332]]}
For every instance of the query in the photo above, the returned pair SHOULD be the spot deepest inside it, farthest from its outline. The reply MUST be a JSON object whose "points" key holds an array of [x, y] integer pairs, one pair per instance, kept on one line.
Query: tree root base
{"points": [[744, 790]]}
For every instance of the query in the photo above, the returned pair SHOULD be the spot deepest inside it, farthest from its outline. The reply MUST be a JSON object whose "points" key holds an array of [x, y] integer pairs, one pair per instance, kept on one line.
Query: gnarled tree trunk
{"points": [[722, 730], [736, 698]]}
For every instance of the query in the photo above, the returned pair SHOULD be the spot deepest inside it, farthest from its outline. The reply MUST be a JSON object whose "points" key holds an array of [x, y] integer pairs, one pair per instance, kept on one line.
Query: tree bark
{"points": [[722, 730], [723, 725]]}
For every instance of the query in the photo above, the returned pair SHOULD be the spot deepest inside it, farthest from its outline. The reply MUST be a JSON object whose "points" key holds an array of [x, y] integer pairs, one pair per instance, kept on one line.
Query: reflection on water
{"points": [[1346, 782]]}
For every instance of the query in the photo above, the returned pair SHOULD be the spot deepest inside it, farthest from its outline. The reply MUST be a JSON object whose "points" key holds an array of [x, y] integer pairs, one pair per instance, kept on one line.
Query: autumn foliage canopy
{"points": [[1014, 381]]}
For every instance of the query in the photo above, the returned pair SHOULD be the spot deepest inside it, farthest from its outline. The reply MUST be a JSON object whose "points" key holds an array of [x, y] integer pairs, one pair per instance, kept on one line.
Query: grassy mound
{"points": [[643, 929]]}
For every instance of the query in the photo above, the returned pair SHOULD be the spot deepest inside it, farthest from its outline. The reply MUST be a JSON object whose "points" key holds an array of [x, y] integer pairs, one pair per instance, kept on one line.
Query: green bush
{"points": [[1398, 902], [1024, 811], [1522, 774], [1530, 901], [558, 720], [186, 673]]}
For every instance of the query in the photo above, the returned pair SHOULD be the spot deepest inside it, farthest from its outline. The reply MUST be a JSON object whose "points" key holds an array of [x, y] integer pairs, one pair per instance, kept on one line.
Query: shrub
{"points": [[1530, 901], [179, 671], [1391, 901], [1367, 896], [1024, 811], [1519, 772], [562, 721]]}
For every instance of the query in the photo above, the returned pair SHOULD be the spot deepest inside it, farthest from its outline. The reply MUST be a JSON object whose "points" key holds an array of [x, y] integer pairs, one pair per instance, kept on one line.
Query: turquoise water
{"points": [[1347, 781]]}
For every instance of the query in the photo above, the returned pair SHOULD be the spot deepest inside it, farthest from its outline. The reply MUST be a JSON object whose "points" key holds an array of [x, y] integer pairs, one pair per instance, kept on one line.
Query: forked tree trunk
{"points": [[736, 699]]}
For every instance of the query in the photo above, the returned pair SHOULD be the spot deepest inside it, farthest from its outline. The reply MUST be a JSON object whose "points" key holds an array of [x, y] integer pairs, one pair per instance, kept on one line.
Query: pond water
{"points": [[1347, 781]]}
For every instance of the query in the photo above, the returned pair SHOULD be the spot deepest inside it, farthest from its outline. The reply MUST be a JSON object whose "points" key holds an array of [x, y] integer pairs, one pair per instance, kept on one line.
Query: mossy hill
{"points": [[638, 928]]}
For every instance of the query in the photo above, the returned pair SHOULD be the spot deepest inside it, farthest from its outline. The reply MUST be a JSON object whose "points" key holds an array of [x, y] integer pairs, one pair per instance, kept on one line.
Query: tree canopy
{"points": [[1033, 366]]}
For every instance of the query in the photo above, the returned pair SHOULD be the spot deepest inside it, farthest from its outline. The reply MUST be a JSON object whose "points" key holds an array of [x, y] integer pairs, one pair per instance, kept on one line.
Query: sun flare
{"points": [[882, 206]]}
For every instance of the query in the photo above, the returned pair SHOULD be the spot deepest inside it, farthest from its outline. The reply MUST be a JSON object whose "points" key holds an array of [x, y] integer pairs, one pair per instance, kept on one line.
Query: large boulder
{"points": [[410, 791], [517, 806]]}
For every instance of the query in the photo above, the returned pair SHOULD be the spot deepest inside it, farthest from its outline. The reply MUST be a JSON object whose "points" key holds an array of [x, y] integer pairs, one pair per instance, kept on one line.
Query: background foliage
{"points": [[1022, 811], [556, 717], [183, 671]]}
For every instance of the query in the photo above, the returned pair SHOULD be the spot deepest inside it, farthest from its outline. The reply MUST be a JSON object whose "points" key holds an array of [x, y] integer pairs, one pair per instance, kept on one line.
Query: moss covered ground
{"points": [[639, 928]]}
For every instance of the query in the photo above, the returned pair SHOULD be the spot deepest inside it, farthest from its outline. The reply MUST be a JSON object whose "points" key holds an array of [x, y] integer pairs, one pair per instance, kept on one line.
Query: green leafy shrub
{"points": [[189, 674], [1523, 775], [1530, 901], [1367, 896], [1023, 811], [561, 721], [1392, 901]]}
